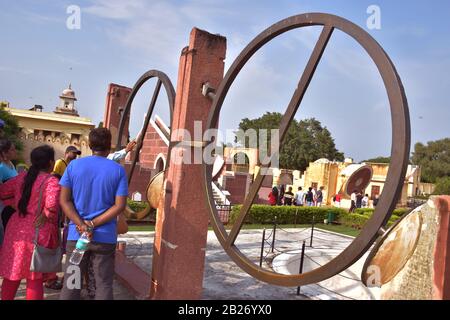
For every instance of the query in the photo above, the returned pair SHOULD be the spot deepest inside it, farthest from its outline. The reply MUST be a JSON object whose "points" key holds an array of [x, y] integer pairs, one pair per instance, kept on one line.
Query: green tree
{"points": [[379, 160], [442, 186], [433, 158], [11, 130], [305, 140]]}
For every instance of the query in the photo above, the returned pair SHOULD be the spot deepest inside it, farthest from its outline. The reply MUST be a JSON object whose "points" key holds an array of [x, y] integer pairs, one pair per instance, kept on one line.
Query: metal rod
{"points": [[262, 247], [295, 221], [274, 230], [312, 231], [302, 259]]}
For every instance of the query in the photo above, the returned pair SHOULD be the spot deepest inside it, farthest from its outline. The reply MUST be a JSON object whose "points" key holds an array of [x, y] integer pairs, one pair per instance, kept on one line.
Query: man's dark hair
{"points": [[100, 139]]}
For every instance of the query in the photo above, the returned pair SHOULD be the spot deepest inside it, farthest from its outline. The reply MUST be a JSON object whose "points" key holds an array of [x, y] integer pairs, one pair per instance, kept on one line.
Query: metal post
{"points": [[273, 234], [302, 258], [262, 247], [312, 232], [295, 221]]}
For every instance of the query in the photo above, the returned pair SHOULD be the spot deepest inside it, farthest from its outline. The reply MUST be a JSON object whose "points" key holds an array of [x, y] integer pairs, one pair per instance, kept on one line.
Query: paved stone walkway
{"points": [[223, 279]]}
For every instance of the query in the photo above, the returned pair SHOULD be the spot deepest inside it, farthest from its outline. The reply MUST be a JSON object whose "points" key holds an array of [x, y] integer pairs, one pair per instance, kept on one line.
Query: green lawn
{"points": [[335, 228]]}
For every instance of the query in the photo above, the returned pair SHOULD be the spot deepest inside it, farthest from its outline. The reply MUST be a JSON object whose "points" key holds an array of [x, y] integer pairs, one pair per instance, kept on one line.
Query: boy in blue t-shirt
{"points": [[93, 193]]}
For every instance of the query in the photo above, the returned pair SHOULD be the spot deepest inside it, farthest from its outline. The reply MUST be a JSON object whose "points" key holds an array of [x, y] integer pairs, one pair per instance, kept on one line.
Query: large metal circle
{"points": [[162, 77], [399, 150], [164, 80]]}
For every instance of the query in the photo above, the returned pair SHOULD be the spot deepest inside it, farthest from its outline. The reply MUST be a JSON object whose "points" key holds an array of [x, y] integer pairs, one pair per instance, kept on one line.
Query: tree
{"points": [[11, 130], [379, 160], [434, 159], [305, 141], [442, 186]]}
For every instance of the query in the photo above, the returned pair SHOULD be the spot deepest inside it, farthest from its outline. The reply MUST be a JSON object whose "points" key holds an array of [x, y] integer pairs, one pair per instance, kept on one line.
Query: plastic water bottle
{"points": [[80, 249]]}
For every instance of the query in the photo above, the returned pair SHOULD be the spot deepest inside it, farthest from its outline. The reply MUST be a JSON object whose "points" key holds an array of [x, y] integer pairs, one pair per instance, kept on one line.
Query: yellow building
{"points": [[333, 176], [60, 128]]}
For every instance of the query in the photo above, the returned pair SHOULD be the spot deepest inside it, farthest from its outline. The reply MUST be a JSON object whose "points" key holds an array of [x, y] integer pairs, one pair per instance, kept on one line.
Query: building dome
{"points": [[322, 160], [68, 93]]}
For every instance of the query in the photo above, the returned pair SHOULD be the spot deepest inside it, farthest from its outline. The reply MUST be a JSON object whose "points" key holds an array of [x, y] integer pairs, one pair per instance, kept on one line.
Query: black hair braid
{"points": [[40, 160]]}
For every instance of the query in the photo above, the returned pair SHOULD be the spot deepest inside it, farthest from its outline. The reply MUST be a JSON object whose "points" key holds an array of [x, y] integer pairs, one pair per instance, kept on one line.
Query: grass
{"points": [[335, 228]]}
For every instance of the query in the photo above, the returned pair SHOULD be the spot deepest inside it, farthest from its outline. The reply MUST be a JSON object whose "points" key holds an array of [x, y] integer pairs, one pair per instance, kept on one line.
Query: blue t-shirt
{"points": [[7, 172], [95, 182]]}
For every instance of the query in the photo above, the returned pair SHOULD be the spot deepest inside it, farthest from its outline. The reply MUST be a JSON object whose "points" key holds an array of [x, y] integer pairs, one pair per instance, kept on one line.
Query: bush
{"points": [[369, 211], [137, 206], [264, 214], [354, 220], [357, 221]]}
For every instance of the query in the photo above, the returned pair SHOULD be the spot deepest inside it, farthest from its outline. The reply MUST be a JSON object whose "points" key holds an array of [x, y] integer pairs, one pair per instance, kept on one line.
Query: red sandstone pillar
{"points": [[441, 278], [182, 220], [116, 99]]}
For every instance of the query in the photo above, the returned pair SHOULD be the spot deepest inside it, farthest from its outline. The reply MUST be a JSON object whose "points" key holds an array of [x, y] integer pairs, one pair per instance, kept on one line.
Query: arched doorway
{"points": [[241, 163], [160, 164]]}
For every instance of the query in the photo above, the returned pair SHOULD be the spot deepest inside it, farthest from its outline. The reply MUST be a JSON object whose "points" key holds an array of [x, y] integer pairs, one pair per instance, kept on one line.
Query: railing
{"points": [[222, 196], [224, 212], [415, 202]]}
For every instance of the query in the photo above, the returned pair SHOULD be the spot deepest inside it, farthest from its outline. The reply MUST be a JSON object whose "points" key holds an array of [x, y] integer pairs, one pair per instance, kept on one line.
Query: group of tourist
{"points": [[358, 200], [314, 198], [88, 193], [310, 198]]}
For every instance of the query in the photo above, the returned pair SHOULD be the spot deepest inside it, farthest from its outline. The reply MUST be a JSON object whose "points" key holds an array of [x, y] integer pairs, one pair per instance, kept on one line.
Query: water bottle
{"points": [[80, 248]]}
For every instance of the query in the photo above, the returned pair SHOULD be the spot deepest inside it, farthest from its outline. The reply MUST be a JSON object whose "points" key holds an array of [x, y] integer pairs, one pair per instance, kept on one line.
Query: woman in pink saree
{"points": [[17, 247]]}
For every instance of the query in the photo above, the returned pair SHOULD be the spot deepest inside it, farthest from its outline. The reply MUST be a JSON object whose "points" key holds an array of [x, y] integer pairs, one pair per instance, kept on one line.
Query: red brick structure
{"points": [[441, 267], [156, 145], [116, 99], [182, 220]]}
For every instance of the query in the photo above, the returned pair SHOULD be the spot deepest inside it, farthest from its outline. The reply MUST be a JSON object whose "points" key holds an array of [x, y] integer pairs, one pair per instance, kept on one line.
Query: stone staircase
{"points": [[220, 197]]}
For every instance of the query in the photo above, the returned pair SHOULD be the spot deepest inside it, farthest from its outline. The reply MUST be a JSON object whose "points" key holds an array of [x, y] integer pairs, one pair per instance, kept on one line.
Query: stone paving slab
{"points": [[223, 279]]}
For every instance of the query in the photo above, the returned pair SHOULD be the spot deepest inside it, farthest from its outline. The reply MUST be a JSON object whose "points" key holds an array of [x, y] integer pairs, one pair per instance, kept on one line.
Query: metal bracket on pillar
{"points": [[208, 91], [381, 232], [191, 144]]}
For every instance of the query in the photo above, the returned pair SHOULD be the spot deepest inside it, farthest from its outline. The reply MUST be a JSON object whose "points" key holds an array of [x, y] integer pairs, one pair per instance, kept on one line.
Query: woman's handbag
{"points": [[44, 259], [122, 225]]}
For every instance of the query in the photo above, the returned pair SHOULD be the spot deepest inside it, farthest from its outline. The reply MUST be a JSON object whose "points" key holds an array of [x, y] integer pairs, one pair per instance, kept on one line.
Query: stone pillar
{"points": [[182, 220], [116, 99], [441, 266]]}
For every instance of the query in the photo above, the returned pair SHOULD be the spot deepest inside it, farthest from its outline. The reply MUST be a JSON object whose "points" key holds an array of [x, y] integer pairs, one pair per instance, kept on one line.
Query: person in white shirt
{"points": [[299, 197], [365, 201], [353, 200], [119, 155]]}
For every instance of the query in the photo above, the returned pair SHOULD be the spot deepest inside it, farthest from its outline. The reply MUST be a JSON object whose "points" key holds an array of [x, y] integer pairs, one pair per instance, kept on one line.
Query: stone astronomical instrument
{"points": [[155, 183], [355, 177], [399, 150], [392, 250]]}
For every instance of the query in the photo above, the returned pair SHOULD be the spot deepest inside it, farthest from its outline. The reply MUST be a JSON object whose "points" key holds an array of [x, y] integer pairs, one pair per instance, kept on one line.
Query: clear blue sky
{"points": [[119, 40]]}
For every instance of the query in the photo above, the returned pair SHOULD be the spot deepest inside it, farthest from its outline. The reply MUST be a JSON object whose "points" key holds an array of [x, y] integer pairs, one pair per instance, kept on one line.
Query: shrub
{"points": [[369, 211], [354, 220], [137, 206], [357, 221], [264, 214]]}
